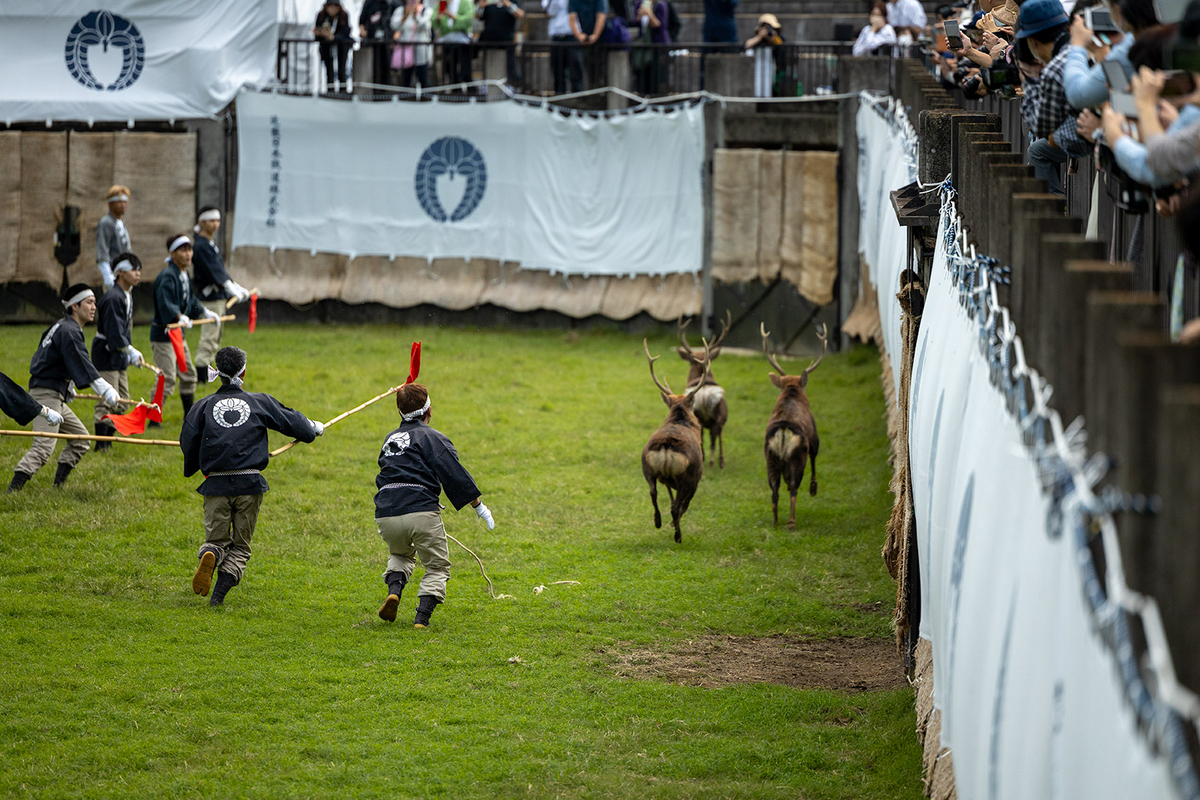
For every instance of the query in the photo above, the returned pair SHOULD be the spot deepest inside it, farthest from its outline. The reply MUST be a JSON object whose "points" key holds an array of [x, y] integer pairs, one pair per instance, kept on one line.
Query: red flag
{"points": [[176, 335], [414, 362], [155, 414], [132, 423], [253, 311]]}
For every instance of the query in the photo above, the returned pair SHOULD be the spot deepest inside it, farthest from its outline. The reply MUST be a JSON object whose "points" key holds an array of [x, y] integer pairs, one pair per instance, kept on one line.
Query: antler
{"points": [[824, 337], [681, 325], [726, 324], [706, 373], [766, 350], [662, 387]]}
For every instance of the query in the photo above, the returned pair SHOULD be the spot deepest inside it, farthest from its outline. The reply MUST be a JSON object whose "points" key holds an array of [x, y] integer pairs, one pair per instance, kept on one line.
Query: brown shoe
{"points": [[202, 580], [387, 612]]}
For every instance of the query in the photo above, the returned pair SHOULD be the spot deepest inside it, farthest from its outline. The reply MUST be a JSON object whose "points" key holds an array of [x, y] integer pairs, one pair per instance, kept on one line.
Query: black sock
{"points": [[64, 472], [19, 480], [187, 400]]}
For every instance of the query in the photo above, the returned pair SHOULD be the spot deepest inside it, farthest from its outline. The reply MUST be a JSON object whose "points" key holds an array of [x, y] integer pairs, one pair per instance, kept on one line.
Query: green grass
{"points": [[116, 680]]}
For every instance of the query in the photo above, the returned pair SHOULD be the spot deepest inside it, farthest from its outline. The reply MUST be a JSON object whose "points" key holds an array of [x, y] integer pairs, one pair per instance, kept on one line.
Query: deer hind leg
{"points": [[795, 477], [721, 444], [812, 486], [773, 480], [679, 506], [654, 501]]}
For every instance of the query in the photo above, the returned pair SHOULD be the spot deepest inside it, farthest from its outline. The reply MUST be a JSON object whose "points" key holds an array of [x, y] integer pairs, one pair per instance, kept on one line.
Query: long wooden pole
{"points": [[151, 367], [49, 435], [204, 321], [340, 417], [231, 302], [124, 400]]}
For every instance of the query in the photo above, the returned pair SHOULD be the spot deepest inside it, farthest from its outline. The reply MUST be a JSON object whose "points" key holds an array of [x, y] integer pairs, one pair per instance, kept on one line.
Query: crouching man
{"points": [[415, 465], [225, 436]]}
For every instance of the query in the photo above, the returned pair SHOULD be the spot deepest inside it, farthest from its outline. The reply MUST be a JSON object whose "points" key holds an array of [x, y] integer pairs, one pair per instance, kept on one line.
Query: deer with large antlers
{"points": [[709, 402], [674, 454], [791, 431]]}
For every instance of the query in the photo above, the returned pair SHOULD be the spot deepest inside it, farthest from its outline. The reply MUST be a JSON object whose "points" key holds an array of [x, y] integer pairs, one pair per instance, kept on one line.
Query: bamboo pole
{"points": [[90, 437], [231, 302], [151, 367], [340, 417], [204, 321], [123, 400]]}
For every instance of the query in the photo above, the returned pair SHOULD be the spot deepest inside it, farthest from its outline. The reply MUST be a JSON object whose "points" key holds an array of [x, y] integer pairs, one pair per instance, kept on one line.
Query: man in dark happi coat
{"points": [[112, 348], [225, 437]]}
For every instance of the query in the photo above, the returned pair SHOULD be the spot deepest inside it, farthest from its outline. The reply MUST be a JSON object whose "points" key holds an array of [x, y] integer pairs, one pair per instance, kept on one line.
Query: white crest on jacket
{"points": [[229, 412], [396, 444]]}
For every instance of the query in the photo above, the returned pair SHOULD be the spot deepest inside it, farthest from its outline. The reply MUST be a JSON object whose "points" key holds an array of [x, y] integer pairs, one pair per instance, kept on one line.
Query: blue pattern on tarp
{"points": [[452, 156], [105, 28]]}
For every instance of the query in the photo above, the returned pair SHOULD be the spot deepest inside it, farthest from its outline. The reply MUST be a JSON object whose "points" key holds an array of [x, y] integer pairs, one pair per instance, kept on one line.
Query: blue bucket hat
{"points": [[1038, 15]]}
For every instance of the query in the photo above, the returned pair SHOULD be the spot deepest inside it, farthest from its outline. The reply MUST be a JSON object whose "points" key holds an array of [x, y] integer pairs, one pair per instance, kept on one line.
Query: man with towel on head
{"points": [[112, 238], [174, 302], [212, 284], [225, 437], [112, 348], [59, 365]]}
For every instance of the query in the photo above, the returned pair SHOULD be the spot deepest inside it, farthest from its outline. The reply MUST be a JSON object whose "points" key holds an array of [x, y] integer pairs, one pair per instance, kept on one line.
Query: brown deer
{"points": [[709, 402], [791, 430], [674, 454]]}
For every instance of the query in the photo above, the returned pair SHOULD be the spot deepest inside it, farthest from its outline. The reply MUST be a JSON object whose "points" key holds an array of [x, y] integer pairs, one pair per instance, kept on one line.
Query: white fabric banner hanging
{"points": [[498, 180], [131, 59]]}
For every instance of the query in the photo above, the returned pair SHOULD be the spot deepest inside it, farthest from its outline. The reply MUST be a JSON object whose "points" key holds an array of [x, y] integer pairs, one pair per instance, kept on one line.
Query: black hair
{"points": [[206, 208], [1138, 14], [231, 361], [1153, 48], [130, 257], [411, 397], [74, 290]]}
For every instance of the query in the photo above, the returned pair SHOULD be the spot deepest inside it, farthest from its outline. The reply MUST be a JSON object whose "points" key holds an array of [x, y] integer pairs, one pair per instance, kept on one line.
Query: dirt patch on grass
{"points": [[851, 665]]}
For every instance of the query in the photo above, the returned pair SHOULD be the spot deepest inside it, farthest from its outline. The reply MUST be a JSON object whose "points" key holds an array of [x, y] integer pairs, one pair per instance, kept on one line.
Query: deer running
{"points": [[674, 454], [709, 402], [791, 430]]}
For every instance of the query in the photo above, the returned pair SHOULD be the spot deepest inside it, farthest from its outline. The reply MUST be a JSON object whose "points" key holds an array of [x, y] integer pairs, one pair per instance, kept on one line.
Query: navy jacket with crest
{"points": [[423, 462], [114, 330], [62, 357], [227, 432], [16, 402]]}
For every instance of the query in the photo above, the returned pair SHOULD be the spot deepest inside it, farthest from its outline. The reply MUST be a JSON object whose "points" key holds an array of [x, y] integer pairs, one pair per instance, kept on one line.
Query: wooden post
{"points": [[1006, 180], [1042, 297], [1109, 315], [1178, 547], [1032, 215]]}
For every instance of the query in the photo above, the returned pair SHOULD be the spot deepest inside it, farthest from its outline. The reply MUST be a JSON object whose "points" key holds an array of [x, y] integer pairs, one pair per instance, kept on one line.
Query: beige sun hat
{"points": [[771, 20]]}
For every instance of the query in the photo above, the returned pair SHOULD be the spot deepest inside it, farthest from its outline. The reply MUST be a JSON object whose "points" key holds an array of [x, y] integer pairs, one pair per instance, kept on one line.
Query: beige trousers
{"points": [[163, 354], [418, 534], [210, 336], [228, 527], [40, 451], [119, 379]]}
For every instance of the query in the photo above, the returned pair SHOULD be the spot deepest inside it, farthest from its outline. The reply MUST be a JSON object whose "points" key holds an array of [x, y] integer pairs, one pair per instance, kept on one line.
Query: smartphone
{"points": [[1115, 75], [1169, 11], [1099, 20], [953, 38], [1122, 103], [1178, 83]]}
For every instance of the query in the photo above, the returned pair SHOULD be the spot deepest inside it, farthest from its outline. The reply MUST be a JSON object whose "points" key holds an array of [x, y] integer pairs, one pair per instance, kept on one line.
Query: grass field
{"points": [[116, 680]]}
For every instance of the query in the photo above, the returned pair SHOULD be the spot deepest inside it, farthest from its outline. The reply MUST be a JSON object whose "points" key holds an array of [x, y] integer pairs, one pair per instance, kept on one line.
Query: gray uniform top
{"points": [[112, 239]]}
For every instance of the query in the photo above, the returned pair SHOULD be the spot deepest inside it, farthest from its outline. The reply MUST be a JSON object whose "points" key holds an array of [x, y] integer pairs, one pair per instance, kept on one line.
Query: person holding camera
{"points": [[767, 37], [412, 30], [877, 36], [332, 31], [452, 24], [1083, 75], [375, 34]]}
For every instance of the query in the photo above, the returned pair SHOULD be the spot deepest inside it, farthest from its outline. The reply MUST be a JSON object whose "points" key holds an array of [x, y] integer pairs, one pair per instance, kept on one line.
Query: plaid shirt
{"points": [[1052, 107]]}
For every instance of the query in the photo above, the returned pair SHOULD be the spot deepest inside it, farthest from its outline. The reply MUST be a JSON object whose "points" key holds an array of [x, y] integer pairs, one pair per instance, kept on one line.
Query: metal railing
{"points": [[546, 68]]}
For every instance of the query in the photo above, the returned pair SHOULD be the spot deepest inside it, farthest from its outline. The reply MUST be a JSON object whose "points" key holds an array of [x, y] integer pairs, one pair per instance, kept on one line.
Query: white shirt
{"points": [[560, 24], [907, 13], [868, 40]]}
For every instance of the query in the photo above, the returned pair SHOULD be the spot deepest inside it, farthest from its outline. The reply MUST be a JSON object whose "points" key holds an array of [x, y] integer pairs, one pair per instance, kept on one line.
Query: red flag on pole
{"points": [[176, 335], [155, 414], [414, 362], [132, 423], [253, 311]]}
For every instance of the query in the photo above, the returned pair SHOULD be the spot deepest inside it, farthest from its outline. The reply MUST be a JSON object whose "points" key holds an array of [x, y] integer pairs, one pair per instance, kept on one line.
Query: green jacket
{"points": [[461, 23]]}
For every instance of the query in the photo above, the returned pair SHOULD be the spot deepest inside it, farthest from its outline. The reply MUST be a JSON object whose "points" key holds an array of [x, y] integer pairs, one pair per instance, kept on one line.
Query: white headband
{"points": [[124, 265], [235, 380], [420, 412], [212, 213], [117, 198], [83, 295], [178, 243]]}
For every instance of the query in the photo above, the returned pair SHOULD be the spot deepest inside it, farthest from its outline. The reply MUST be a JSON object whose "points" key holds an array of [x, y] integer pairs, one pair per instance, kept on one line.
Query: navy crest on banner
{"points": [[107, 30], [454, 157]]}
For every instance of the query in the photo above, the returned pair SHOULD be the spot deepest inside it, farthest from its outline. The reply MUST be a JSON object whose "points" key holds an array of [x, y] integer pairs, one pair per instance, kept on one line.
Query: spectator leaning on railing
{"points": [[332, 31], [908, 19], [587, 18], [563, 59], [412, 29], [1052, 122], [877, 36], [500, 20], [649, 63], [1083, 77], [452, 23], [1178, 152], [767, 38], [374, 30]]}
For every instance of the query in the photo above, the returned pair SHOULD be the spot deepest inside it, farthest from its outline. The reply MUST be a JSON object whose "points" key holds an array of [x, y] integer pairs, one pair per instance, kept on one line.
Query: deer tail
{"points": [[667, 463]]}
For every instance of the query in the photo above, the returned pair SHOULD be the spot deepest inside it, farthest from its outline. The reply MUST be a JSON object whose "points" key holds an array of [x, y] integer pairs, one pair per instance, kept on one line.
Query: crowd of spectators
{"points": [[1113, 81]]}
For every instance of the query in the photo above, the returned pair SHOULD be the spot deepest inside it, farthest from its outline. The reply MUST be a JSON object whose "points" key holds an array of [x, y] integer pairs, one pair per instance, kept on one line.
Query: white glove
{"points": [[484, 514], [106, 390], [184, 321], [210, 314], [106, 275], [52, 416], [234, 288], [319, 427], [135, 356]]}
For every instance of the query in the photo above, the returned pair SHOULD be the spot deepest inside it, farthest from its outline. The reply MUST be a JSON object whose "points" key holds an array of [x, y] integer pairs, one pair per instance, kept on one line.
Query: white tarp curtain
{"points": [[497, 180], [886, 162], [1031, 697], [131, 59]]}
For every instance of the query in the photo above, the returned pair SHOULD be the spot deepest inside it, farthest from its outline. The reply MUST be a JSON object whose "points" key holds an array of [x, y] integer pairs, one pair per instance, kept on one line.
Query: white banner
{"points": [[131, 59], [497, 180]]}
